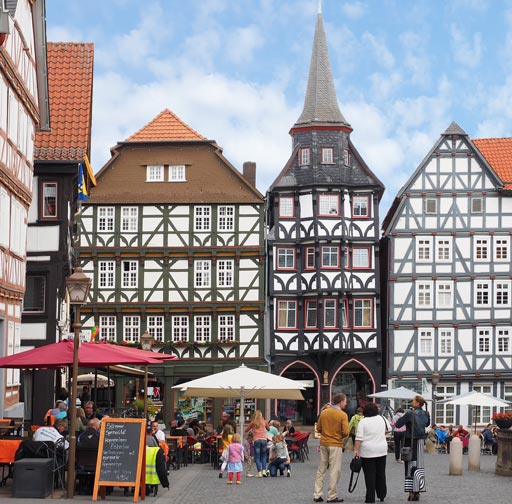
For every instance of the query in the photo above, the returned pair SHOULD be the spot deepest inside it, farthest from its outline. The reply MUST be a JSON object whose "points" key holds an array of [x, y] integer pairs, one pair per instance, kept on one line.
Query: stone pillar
{"points": [[504, 459], [474, 453], [455, 457]]}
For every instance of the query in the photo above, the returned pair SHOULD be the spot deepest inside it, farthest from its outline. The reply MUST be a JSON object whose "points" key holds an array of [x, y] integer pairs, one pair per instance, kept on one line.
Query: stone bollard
{"points": [[455, 457], [504, 458], [474, 453]]}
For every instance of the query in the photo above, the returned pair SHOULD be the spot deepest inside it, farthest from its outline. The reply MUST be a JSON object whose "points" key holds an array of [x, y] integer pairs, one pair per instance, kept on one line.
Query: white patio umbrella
{"points": [[244, 383], [91, 379], [396, 393]]}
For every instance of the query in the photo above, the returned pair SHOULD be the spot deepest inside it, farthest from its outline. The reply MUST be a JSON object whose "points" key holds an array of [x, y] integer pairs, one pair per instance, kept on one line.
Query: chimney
{"points": [[250, 172]]}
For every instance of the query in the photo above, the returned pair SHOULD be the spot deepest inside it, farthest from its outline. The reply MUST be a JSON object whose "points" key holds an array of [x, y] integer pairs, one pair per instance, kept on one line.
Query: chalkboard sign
{"points": [[120, 453]]}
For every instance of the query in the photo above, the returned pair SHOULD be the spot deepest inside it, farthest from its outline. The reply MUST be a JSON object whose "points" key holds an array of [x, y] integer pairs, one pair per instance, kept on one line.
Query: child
{"points": [[235, 459], [279, 458], [227, 438], [249, 454]]}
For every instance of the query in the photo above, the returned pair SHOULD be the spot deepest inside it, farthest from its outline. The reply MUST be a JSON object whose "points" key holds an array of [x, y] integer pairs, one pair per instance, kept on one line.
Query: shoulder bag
{"points": [[407, 451]]}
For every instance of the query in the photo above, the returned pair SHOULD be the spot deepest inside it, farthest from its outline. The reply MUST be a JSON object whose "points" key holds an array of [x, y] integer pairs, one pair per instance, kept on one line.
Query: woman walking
{"points": [[416, 420], [258, 425], [372, 446]]}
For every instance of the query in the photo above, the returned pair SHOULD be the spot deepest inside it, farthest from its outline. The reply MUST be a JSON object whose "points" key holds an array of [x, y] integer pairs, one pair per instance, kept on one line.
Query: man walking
{"points": [[333, 427]]}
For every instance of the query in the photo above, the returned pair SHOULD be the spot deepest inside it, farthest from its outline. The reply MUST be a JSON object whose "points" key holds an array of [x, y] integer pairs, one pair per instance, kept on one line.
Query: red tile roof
{"points": [[165, 127], [70, 73], [498, 153]]}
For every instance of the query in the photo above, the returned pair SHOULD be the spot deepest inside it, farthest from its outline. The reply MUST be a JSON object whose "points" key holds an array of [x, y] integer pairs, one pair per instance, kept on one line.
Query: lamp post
{"points": [[435, 381], [146, 342], [77, 285]]}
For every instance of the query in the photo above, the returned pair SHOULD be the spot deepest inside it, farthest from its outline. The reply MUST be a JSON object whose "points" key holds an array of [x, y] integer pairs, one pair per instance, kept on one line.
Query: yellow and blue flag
{"points": [[82, 186]]}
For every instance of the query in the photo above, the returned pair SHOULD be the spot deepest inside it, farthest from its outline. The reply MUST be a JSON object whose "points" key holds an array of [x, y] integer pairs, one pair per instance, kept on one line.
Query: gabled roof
{"points": [[70, 77], [166, 126], [498, 153]]}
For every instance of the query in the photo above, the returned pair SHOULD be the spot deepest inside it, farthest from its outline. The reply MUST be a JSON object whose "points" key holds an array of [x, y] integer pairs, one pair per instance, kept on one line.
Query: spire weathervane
{"points": [[319, 6]]}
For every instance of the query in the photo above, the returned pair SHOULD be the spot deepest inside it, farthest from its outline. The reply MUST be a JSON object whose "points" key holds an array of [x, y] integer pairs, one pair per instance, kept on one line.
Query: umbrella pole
{"points": [[242, 412], [108, 389]]}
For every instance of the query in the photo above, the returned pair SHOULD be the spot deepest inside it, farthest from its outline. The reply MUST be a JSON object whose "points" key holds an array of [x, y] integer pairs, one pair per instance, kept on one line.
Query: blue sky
{"points": [[236, 71]]}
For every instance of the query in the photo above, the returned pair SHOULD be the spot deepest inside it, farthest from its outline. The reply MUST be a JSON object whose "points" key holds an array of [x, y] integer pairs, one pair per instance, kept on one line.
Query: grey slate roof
{"points": [[321, 104], [454, 129]]}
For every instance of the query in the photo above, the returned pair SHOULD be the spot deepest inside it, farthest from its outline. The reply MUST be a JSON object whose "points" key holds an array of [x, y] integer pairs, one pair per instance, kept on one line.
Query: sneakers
{"points": [[230, 482], [249, 475], [238, 482], [259, 475], [288, 473], [265, 473]]}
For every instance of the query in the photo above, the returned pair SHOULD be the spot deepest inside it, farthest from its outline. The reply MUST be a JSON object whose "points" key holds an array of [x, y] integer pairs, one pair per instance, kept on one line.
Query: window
{"points": [[430, 206], [311, 314], [329, 204], [330, 312], [503, 341], [131, 328], [445, 413], [107, 272], [202, 218], [327, 155], [360, 206], [424, 250], [226, 218], [344, 313], [180, 328], [363, 313], [108, 327], [129, 270], [444, 250], [502, 293], [5, 215], [360, 257], [482, 249], [426, 342], [177, 173], [286, 258], [156, 327], [304, 156], [346, 157], [310, 258], [286, 207], [202, 326], [330, 257], [482, 293], [501, 249], [154, 173], [445, 342], [202, 273], [424, 295], [35, 293], [129, 219], [286, 314], [484, 341], [18, 227], [482, 414], [226, 327], [49, 200], [345, 257], [476, 205], [106, 219], [444, 295], [225, 273]]}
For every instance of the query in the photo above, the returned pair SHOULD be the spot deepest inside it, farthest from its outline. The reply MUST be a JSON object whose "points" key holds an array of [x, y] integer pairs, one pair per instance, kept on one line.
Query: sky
{"points": [[236, 71]]}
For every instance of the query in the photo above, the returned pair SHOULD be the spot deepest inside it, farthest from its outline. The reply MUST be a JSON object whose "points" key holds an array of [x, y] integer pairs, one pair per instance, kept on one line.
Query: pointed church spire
{"points": [[321, 105]]}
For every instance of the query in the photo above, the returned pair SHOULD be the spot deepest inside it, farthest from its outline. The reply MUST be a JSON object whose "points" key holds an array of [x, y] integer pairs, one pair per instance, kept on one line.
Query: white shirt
{"points": [[160, 435], [371, 431], [49, 434]]}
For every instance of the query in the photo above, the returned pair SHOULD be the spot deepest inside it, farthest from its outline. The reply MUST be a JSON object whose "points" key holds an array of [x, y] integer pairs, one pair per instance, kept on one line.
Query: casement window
{"points": [[131, 328], [310, 258], [360, 258], [346, 157], [179, 328], [50, 202], [129, 271], [286, 314], [345, 258], [226, 218], [106, 271], [129, 218], [304, 156], [311, 321], [330, 257], [361, 206], [226, 328], [503, 341], [423, 249], [156, 327], [18, 228], [328, 205], [424, 294], [108, 327], [106, 219], [481, 249], [202, 218], [154, 173], [5, 214], [426, 342], [501, 246], [443, 250], [502, 290], [225, 273], [286, 258], [477, 206], [35, 294], [482, 293], [444, 295], [363, 316], [445, 342], [330, 313], [202, 270], [177, 173], [445, 413], [327, 155], [484, 341], [430, 206], [481, 414], [344, 313], [202, 328], [286, 207]]}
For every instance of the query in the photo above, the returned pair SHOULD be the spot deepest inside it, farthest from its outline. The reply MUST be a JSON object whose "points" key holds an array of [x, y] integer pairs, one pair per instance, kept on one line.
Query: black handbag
{"points": [[355, 466], [406, 452]]}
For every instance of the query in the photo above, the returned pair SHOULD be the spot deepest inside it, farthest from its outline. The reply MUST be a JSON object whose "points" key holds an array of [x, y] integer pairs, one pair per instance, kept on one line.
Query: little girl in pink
{"points": [[235, 459]]}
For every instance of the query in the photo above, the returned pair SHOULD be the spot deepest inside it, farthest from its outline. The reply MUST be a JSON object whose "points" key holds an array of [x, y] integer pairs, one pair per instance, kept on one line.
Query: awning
{"points": [[128, 371]]}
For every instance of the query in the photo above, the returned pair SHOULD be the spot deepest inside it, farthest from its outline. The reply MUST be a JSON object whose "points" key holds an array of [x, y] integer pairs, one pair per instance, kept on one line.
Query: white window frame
{"points": [[330, 310], [330, 257], [430, 206], [286, 310], [424, 295], [202, 273], [286, 207], [225, 272], [503, 341], [304, 156], [483, 293], [179, 328], [129, 274], [108, 327], [154, 173], [424, 249], [311, 314], [446, 342], [46, 197], [484, 341], [131, 328], [346, 157], [156, 327], [482, 414], [285, 258], [106, 274], [5, 215], [226, 328], [177, 173], [425, 342], [444, 289], [443, 249], [129, 219], [445, 413], [361, 258], [481, 249], [502, 293], [226, 218], [202, 328], [329, 205], [501, 249], [106, 219], [310, 258], [202, 218], [327, 155], [361, 207], [364, 309]]}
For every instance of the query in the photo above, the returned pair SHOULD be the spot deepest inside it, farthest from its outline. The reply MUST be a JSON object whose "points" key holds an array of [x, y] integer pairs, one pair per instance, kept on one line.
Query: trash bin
{"points": [[33, 478]]}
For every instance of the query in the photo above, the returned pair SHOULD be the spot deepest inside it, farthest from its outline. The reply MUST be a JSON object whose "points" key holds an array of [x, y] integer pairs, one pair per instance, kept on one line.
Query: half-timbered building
{"points": [[323, 263], [447, 242], [23, 108], [172, 237]]}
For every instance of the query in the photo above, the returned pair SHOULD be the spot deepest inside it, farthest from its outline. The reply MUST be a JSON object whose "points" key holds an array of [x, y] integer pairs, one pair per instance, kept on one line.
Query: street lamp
{"points": [[146, 342], [435, 381], [77, 285]]}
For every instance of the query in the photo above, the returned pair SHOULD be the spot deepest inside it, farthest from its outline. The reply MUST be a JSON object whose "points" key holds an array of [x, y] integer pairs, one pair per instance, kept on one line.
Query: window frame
{"points": [[332, 249], [129, 277], [106, 222], [483, 338], [333, 307], [42, 187], [310, 253], [304, 156], [443, 244], [202, 274], [506, 337], [226, 328], [483, 293], [155, 327], [226, 222], [107, 276], [180, 327], [427, 209], [446, 335], [41, 296], [425, 335], [203, 328], [501, 250], [309, 308], [225, 273], [428, 285], [285, 253], [326, 158], [368, 256], [131, 328], [202, 218], [346, 156], [155, 173], [424, 243], [498, 289], [363, 309], [290, 308], [330, 198], [441, 289], [108, 327], [344, 314], [360, 198], [291, 203], [481, 248], [177, 173], [129, 223], [474, 210]]}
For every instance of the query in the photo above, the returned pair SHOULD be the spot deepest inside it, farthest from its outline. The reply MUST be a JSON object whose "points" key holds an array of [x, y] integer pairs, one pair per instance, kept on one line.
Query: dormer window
{"points": [[346, 157], [177, 173], [304, 156], [327, 155], [154, 173]]}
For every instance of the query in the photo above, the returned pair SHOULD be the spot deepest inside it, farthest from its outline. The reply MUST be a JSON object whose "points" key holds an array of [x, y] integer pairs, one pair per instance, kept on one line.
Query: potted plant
{"points": [[503, 420]]}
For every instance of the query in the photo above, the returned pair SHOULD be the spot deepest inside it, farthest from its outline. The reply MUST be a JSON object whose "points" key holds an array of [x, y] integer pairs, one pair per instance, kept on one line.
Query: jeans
{"points": [[277, 463], [260, 454]]}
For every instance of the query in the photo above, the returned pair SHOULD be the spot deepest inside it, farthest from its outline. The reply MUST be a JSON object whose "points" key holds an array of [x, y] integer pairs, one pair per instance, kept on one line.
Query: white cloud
{"points": [[383, 55], [385, 85], [242, 42], [353, 10], [62, 34], [467, 50], [416, 60]]}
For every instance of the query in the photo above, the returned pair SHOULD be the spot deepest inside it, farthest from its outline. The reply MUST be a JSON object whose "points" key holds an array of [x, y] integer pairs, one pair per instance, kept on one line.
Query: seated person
{"points": [[156, 431], [179, 429], [489, 439], [63, 410], [288, 429], [90, 411], [279, 457], [52, 433], [463, 435], [90, 438]]}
